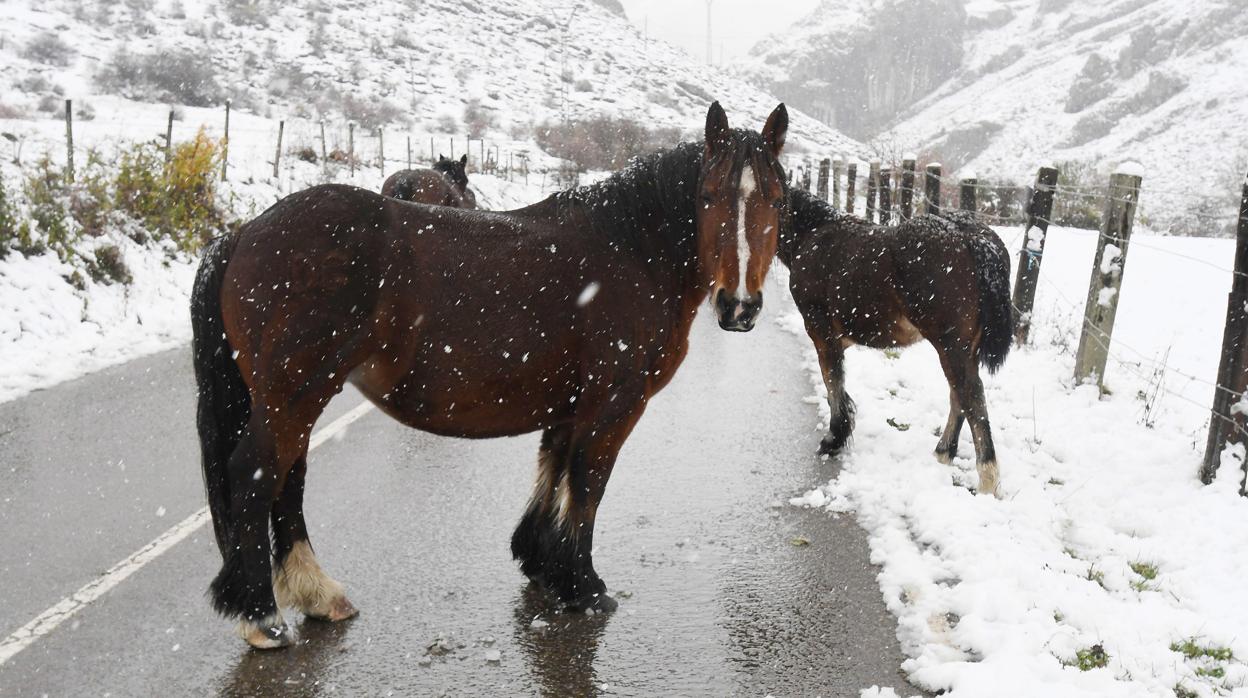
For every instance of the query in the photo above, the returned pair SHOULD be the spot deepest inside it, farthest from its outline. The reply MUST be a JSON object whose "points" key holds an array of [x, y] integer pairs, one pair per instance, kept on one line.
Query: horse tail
{"points": [[996, 311], [224, 403]]}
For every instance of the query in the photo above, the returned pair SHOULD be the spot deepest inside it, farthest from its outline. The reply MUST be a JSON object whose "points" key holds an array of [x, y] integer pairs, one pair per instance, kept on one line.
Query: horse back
{"points": [[422, 187]]}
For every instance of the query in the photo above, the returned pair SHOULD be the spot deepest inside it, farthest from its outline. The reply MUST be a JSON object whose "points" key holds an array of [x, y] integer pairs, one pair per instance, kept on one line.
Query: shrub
{"points": [[109, 266], [1079, 200], [176, 201], [46, 195], [305, 153], [370, 113], [48, 48], [50, 104], [164, 76], [8, 221], [603, 142], [478, 119]]}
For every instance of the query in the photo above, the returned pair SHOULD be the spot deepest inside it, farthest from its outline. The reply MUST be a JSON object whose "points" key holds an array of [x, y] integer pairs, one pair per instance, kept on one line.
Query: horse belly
{"points": [[489, 404]]}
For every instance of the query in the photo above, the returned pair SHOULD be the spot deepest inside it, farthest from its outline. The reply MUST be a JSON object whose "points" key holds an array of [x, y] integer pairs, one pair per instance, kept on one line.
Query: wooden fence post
{"points": [[1039, 213], [225, 146], [277, 157], [838, 169], [324, 151], [433, 157], [69, 140], [851, 186], [966, 193], [806, 176], [1106, 281], [351, 146], [169, 138], [381, 150], [906, 195], [409, 152], [1226, 423], [481, 164], [825, 169], [931, 188], [886, 195], [873, 189]]}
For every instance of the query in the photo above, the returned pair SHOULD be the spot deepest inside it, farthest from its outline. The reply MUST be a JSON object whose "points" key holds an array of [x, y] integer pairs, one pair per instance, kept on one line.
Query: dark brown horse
{"points": [[564, 317], [446, 184], [943, 278]]}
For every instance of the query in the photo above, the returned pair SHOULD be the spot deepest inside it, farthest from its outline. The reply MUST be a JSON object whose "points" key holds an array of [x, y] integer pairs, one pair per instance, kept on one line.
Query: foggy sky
{"points": [[736, 24]]}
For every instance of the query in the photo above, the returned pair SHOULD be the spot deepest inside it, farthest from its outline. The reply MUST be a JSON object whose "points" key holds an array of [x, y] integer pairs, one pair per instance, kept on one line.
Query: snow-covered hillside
{"points": [[1155, 81], [492, 69]]}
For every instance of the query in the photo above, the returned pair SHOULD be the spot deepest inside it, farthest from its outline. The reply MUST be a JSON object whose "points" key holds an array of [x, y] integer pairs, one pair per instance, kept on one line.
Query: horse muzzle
{"points": [[737, 314]]}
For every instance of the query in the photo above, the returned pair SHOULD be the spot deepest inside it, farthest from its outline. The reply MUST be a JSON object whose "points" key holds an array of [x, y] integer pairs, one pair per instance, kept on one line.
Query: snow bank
{"points": [[1105, 550], [52, 331]]}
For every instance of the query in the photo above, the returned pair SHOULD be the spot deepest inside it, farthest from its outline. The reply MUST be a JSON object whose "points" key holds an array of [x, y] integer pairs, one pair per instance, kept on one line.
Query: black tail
{"points": [[224, 404], [996, 312]]}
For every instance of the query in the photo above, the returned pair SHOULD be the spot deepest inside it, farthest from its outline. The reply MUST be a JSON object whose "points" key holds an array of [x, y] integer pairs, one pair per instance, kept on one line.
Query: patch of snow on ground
{"points": [[51, 331], [1099, 494]]}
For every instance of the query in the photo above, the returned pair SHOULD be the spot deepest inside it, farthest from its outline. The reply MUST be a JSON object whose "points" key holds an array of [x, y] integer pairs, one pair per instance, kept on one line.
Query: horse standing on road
{"points": [[446, 184], [942, 278], [564, 317]]}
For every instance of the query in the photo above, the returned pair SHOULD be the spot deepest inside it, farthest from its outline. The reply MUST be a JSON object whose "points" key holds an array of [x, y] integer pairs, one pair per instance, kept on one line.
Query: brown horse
{"points": [[446, 184], [563, 317], [943, 278]]}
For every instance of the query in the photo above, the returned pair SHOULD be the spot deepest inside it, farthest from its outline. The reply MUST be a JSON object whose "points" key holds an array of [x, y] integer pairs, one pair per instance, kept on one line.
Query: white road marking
{"points": [[68, 607]]}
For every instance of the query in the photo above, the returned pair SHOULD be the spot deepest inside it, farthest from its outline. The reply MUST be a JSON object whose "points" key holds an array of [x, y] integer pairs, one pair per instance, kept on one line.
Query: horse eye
{"points": [[778, 204]]}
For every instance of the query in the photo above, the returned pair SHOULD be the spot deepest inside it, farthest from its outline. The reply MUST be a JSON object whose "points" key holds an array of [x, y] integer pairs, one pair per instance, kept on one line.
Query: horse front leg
{"points": [[555, 539], [298, 580], [832, 367]]}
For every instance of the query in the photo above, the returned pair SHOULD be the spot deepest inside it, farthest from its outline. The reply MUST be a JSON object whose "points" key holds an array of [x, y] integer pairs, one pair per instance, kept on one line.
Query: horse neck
{"points": [[650, 210], [809, 218]]}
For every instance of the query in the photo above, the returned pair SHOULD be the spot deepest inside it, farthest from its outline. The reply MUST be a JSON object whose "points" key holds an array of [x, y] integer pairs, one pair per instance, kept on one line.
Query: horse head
{"points": [[741, 199]]}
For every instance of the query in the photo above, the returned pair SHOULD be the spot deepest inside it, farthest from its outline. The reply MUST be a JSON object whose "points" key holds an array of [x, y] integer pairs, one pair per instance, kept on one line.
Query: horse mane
{"points": [[653, 201], [809, 215]]}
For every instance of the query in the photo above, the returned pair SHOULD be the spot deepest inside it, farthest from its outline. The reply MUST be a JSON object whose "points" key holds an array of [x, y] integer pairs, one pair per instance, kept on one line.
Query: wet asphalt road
{"points": [[715, 598]]}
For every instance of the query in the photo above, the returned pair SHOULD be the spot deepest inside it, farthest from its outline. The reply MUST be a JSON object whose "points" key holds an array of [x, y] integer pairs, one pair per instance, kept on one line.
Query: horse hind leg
{"points": [[947, 447], [549, 500], [243, 588], [298, 580], [959, 362]]}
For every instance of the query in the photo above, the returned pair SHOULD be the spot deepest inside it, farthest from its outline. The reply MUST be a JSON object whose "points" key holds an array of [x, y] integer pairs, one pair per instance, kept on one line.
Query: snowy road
{"points": [[719, 595]]}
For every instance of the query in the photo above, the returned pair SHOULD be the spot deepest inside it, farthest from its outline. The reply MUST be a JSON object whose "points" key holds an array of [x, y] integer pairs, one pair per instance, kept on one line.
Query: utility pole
{"points": [[708, 32]]}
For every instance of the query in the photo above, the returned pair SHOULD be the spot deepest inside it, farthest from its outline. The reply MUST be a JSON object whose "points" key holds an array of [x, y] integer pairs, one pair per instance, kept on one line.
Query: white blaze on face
{"points": [[743, 243]]}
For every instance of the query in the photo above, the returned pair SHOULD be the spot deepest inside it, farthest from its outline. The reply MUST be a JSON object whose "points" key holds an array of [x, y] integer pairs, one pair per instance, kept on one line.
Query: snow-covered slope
{"points": [[449, 66], [1160, 82]]}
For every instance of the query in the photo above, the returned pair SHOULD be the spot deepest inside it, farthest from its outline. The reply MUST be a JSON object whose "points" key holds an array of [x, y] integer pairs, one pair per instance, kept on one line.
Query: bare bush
{"points": [[174, 75], [603, 142], [371, 113], [478, 119], [49, 49]]}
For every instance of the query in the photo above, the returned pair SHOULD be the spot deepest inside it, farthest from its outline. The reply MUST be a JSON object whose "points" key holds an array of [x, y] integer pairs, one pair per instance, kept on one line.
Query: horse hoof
{"points": [[944, 457], [269, 634], [830, 446], [340, 609], [593, 603]]}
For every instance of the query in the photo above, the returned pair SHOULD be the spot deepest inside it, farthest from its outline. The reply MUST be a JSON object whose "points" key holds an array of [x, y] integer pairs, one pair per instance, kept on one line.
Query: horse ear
{"points": [[464, 159], [776, 129], [716, 127], [441, 156]]}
